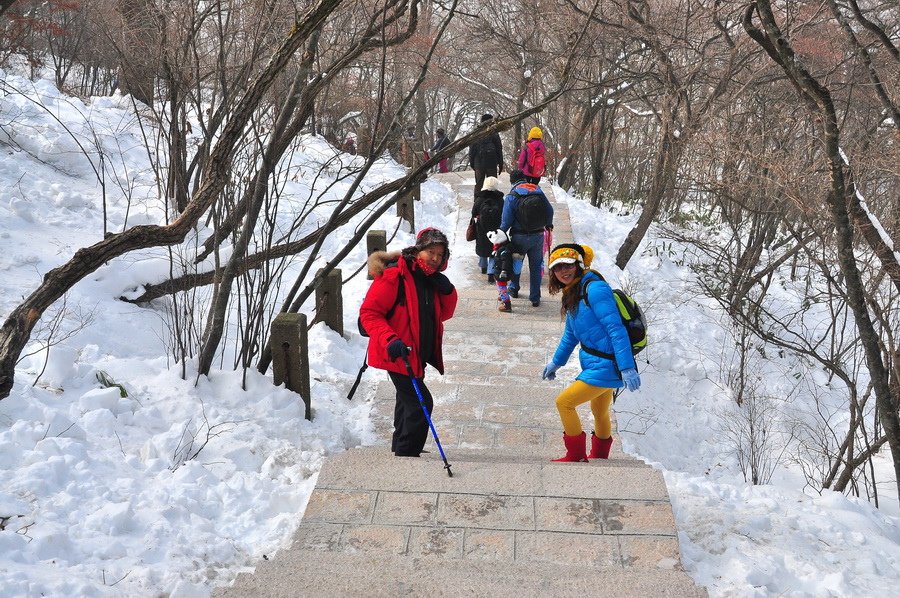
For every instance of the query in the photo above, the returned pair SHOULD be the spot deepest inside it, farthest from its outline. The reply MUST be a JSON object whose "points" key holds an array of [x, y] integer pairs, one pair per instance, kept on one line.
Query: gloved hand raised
{"points": [[397, 349], [442, 283], [549, 371], [631, 379]]}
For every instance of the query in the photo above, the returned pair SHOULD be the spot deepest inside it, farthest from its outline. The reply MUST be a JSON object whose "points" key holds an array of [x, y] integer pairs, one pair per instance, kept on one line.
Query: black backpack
{"points": [[400, 300], [531, 212], [490, 214], [487, 152]]}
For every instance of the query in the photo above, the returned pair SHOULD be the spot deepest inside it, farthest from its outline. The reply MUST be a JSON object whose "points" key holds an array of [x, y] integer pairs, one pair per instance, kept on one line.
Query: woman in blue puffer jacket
{"points": [[597, 326]]}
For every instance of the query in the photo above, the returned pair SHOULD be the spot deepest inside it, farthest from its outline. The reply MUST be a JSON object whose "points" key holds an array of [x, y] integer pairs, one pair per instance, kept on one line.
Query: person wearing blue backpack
{"points": [[526, 214], [592, 320]]}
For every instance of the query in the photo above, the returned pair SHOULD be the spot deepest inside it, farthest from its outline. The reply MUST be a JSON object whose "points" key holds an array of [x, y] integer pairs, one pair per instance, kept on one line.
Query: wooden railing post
{"points": [[376, 240], [405, 207], [330, 301], [288, 342]]}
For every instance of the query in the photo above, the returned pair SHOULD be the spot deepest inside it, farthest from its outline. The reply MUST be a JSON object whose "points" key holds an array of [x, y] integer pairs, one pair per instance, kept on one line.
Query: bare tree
{"points": [[18, 325], [818, 100]]}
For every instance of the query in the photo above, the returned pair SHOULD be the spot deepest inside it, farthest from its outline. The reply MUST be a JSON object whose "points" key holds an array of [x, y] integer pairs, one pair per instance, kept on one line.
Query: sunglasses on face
{"points": [[563, 267]]}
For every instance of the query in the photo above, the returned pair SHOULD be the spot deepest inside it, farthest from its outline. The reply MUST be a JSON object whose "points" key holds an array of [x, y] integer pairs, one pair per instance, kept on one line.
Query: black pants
{"points": [[410, 425], [480, 176], [533, 179]]}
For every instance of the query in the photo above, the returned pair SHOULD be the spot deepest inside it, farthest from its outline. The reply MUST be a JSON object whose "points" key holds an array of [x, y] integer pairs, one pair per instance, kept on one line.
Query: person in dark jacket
{"points": [[441, 141], [412, 328], [529, 241], [487, 211], [595, 324], [486, 156]]}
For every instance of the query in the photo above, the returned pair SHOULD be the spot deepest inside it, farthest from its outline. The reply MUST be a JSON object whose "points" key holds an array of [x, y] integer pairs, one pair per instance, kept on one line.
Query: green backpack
{"points": [[632, 319]]}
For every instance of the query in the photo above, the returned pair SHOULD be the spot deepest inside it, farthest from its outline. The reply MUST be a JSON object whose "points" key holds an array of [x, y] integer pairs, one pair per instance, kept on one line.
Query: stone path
{"points": [[509, 522]]}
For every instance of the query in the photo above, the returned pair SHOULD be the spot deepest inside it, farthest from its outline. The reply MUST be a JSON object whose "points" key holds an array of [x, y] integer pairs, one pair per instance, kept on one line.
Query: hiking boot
{"points": [[536, 303], [491, 279], [484, 269], [505, 306], [514, 293]]}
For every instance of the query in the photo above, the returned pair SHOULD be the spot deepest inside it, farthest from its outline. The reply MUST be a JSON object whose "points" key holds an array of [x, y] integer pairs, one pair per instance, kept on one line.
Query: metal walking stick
{"points": [[437, 441]]}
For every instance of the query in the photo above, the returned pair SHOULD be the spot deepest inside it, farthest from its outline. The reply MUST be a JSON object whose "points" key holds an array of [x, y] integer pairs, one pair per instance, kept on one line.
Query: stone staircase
{"points": [[509, 522]]}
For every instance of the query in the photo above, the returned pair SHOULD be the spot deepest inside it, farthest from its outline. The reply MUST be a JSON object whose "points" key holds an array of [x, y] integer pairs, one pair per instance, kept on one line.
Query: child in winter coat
{"points": [[532, 157], [593, 321], [503, 266]]}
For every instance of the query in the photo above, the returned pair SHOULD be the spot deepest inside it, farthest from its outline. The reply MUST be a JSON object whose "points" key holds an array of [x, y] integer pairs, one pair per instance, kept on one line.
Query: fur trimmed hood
{"points": [[379, 260]]}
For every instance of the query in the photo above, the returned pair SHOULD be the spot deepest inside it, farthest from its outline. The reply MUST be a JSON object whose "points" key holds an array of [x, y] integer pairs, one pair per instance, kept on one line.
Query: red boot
{"points": [[600, 447], [574, 449]]}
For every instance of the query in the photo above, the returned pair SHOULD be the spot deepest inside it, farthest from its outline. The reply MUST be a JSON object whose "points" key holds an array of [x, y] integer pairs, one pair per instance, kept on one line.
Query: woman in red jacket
{"points": [[404, 313]]}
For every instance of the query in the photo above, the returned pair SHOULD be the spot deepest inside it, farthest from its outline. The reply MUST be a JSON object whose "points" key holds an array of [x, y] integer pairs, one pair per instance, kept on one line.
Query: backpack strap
{"points": [[595, 352], [584, 294], [400, 300]]}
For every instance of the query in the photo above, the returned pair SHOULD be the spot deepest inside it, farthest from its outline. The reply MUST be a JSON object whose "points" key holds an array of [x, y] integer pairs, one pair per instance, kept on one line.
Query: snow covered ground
{"points": [[103, 495]]}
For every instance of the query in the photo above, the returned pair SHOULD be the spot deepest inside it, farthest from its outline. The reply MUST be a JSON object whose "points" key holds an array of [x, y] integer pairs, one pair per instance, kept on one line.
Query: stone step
{"points": [[433, 573], [521, 422], [376, 469]]}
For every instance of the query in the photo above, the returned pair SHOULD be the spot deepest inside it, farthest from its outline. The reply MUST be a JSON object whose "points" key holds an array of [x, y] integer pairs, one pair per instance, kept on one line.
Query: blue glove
{"points": [[549, 371], [397, 349], [631, 379]]}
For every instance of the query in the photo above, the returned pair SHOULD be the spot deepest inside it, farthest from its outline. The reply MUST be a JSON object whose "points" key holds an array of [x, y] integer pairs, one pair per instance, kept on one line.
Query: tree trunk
{"points": [[568, 169], [664, 169], [139, 54]]}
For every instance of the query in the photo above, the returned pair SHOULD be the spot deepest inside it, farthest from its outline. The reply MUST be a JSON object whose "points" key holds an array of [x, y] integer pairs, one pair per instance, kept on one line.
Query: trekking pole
{"points": [[427, 417]]}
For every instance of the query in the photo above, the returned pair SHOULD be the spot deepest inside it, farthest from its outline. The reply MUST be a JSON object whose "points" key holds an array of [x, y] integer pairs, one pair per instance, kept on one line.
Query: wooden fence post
{"points": [[376, 240], [288, 342], [330, 301], [405, 208]]}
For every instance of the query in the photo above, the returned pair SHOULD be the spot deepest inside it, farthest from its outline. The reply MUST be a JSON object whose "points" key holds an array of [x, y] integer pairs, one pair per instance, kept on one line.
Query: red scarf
{"points": [[424, 267]]}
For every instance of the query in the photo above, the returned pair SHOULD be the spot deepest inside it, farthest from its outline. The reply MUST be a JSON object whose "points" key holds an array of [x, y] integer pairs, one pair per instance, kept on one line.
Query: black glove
{"points": [[442, 283], [397, 349]]}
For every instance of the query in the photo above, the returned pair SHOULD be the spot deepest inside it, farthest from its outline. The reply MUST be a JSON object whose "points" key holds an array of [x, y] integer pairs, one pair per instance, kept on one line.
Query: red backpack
{"points": [[536, 161]]}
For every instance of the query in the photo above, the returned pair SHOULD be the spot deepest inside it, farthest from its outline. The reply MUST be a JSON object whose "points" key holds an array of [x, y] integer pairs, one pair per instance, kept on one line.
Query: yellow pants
{"points": [[581, 392]]}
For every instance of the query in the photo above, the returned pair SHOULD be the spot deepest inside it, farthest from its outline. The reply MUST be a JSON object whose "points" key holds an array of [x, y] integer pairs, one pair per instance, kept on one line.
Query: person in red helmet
{"points": [[404, 313]]}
